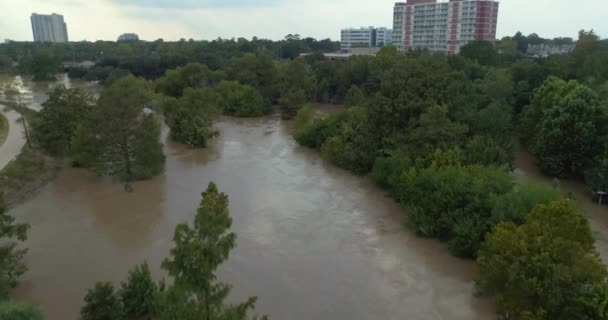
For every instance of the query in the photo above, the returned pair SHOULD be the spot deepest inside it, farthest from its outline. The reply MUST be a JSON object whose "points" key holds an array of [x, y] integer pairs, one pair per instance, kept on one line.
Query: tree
{"points": [[256, 70], [139, 293], [199, 250], [453, 203], [481, 51], [297, 76], [565, 124], [101, 303], [241, 100], [545, 268], [597, 177], [354, 97], [12, 264], [119, 138], [19, 311], [191, 116], [43, 64], [291, 101], [58, 121], [192, 75], [515, 205]]}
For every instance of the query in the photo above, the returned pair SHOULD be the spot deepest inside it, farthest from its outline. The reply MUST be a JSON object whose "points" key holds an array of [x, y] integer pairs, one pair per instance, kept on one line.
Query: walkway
{"points": [[15, 139]]}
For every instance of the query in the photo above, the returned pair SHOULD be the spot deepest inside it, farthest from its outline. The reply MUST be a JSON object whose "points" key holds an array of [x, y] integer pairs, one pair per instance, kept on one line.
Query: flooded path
{"points": [[15, 140], [314, 241]]}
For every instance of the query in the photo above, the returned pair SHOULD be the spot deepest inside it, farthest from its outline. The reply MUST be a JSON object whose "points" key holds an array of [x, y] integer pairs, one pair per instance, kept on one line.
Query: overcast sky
{"points": [[209, 19]]}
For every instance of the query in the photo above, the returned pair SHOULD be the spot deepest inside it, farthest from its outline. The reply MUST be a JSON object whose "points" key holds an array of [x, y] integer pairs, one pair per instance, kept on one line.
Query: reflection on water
{"points": [[314, 242]]}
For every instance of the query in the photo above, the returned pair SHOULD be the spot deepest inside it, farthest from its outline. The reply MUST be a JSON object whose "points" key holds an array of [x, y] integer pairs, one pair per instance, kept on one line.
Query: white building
{"points": [[128, 37], [442, 25], [49, 28], [369, 37]]}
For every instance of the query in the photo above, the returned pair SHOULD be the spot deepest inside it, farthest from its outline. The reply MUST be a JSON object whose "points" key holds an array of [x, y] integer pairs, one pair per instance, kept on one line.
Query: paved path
{"points": [[15, 139]]}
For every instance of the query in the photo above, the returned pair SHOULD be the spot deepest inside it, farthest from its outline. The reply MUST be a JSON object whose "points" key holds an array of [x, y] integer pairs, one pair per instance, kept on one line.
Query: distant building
{"points": [[128, 37], [343, 56], [369, 37], [544, 50], [49, 28], [443, 26]]}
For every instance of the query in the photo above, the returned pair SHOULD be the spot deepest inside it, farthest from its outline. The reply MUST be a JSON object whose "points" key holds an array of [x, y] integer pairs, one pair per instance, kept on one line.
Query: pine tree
{"points": [[199, 250]]}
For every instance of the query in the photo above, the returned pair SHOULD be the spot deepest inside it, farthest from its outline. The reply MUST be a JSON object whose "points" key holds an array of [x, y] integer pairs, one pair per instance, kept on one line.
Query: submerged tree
{"points": [[119, 137], [191, 116], [199, 250], [11, 257]]}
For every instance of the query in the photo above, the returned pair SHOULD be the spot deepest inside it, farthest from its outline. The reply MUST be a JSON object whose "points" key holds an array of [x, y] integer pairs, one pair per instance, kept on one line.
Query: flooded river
{"points": [[314, 241]]}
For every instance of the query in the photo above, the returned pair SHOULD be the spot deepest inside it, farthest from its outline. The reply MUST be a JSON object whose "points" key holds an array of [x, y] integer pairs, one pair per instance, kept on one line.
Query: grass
{"points": [[3, 129]]}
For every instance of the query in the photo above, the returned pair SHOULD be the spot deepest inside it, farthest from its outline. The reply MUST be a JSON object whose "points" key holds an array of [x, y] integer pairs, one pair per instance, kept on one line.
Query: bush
{"points": [[387, 170], [546, 268], [101, 303], [138, 293], [453, 203], [312, 131], [19, 311], [241, 100]]}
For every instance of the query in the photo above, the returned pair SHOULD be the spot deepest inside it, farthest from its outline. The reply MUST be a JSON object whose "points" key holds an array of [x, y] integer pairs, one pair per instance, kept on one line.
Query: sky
{"points": [[273, 19]]}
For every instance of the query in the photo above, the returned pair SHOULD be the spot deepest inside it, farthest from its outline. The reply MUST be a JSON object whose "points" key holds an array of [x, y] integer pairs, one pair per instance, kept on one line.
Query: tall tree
{"points": [[199, 250], [190, 117], [58, 121], [101, 303], [546, 268], [120, 138], [11, 256]]}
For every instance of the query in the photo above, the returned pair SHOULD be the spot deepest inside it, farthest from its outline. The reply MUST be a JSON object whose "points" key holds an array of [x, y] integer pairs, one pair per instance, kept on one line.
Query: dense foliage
{"points": [[19, 311], [58, 121], [195, 292], [119, 138], [547, 268], [12, 264], [191, 116], [241, 100]]}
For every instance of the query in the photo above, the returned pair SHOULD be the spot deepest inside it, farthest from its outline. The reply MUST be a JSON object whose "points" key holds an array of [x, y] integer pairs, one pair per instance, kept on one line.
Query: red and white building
{"points": [[443, 25]]}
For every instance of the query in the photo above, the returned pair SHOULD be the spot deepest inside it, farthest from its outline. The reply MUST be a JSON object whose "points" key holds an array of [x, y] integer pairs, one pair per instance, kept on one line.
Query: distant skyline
{"points": [[209, 19]]}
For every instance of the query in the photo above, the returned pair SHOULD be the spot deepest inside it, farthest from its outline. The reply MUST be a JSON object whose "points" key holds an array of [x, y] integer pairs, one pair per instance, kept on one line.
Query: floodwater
{"points": [[314, 241]]}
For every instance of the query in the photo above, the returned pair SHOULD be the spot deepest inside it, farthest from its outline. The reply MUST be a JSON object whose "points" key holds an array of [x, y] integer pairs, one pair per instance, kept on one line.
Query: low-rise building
{"points": [[365, 37]]}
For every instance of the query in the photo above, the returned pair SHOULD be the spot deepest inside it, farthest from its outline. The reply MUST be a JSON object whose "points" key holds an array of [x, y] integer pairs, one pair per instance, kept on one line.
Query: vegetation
{"points": [[195, 292], [4, 126], [119, 138], [191, 116], [19, 311], [11, 256], [58, 122], [241, 100], [547, 268]]}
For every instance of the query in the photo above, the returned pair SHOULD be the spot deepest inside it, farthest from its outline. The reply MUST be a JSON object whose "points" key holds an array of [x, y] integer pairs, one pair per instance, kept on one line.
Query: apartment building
{"points": [[365, 37], [49, 28], [443, 26]]}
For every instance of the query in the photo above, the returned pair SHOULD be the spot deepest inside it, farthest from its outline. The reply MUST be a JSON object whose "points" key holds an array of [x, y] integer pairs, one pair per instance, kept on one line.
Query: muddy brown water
{"points": [[314, 241]]}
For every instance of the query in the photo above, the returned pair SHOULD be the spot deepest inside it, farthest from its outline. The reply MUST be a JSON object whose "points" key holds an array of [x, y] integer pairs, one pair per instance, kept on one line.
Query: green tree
{"points": [[58, 121], [515, 205], [545, 268], [120, 138], [571, 122], [191, 116], [43, 64], [297, 75], [11, 256], [101, 303], [453, 203], [481, 51], [241, 100], [139, 293], [354, 97], [19, 311], [256, 70], [193, 75], [291, 101], [199, 250]]}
